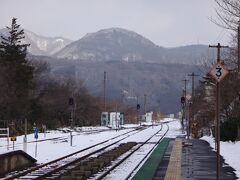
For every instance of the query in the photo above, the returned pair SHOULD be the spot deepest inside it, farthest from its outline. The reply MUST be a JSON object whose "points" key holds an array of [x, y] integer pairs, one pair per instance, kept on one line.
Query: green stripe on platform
{"points": [[149, 168]]}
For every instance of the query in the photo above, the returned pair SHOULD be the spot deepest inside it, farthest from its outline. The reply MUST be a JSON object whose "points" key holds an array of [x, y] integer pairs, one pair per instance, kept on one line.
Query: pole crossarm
{"points": [[218, 46]]}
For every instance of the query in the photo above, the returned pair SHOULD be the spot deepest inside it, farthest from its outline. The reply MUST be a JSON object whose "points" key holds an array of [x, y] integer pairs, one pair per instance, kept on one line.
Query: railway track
{"points": [[135, 149], [102, 165], [48, 169]]}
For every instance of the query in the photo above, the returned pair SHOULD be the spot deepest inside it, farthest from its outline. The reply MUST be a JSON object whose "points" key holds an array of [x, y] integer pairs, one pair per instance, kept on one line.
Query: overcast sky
{"points": [[167, 23]]}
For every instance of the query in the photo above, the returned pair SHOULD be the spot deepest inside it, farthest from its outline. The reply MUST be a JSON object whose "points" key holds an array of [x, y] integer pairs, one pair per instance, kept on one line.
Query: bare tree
{"points": [[228, 14]]}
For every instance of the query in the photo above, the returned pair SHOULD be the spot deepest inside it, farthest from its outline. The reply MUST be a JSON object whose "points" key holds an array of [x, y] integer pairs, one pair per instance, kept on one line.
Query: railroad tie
{"points": [[174, 166]]}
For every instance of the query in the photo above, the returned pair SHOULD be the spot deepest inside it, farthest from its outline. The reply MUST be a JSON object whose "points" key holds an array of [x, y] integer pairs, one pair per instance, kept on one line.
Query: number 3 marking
{"points": [[219, 71]]}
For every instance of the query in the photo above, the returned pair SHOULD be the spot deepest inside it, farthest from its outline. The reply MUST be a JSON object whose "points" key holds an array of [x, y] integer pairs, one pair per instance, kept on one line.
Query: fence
{"points": [[4, 132]]}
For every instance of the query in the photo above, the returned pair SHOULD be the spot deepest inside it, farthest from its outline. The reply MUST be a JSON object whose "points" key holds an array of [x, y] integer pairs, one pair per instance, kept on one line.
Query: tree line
{"points": [[203, 109]]}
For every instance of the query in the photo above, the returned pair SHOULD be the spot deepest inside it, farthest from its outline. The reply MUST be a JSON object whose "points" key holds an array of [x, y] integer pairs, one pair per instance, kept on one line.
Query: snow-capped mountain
{"points": [[41, 45], [111, 44], [116, 44]]}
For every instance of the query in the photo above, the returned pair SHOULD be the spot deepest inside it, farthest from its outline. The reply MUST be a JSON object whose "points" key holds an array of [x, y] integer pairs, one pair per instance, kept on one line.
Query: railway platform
{"points": [[173, 160]]}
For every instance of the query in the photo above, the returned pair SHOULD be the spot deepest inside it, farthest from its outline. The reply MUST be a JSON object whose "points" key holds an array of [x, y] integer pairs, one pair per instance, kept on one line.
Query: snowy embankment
{"points": [[230, 152], [57, 143]]}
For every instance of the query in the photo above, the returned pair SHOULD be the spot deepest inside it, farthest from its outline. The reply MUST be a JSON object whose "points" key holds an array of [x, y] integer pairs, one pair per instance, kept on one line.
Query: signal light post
{"points": [[71, 104], [138, 108]]}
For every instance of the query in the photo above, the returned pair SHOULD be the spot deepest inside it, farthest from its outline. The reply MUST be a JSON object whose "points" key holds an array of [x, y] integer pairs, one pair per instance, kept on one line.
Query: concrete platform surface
{"points": [[199, 163]]}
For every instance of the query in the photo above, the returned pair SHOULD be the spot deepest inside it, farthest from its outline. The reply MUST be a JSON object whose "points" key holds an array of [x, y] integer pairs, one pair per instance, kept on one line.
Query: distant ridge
{"points": [[113, 44], [117, 44], [41, 45]]}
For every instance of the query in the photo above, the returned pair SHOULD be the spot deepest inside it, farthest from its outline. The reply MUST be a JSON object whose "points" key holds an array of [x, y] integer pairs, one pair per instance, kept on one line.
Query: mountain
{"points": [[135, 66], [41, 45], [111, 44], [116, 44]]}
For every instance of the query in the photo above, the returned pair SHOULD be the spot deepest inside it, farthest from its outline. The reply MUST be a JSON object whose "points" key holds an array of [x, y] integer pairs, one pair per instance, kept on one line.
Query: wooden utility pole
{"points": [[217, 123], [193, 75], [185, 106], [185, 87]]}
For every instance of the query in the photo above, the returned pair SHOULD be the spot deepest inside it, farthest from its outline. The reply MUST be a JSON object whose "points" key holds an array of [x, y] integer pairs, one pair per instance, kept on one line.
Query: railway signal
{"points": [[71, 101], [183, 100], [138, 106]]}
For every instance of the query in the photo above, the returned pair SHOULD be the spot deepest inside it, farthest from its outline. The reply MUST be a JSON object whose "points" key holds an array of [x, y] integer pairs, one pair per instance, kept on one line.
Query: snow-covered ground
{"points": [[230, 152], [50, 149], [47, 148]]}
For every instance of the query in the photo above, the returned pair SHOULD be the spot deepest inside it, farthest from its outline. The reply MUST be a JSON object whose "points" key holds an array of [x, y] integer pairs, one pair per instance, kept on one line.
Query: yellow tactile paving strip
{"points": [[174, 166]]}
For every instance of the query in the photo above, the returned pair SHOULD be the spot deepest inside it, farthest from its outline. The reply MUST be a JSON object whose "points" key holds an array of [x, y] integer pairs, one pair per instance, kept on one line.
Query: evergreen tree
{"points": [[16, 74]]}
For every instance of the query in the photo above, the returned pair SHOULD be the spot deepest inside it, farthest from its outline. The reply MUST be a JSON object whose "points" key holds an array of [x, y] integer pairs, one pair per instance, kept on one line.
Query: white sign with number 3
{"points": [[218, 72]]}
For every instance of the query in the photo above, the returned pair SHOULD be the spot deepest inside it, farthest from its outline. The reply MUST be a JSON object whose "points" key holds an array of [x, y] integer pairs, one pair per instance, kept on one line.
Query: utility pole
{"points": [[116, 119], [104, 91], [185, 87], [185, 106], [193, 75], [217, 123], [71, 103]]}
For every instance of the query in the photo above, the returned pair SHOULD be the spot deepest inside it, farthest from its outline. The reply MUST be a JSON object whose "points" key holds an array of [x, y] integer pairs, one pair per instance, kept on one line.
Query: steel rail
{"points": [[126, 157], [25, 172]]}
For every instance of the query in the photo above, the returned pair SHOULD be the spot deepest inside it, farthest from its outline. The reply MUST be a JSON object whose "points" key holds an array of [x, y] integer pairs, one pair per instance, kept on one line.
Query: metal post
{"points": [[104, 91], [185, 104], [138, 117], [189, 104], [116, 118], [218, 131], [36, 149], [182, 114], [25, 136], [7, 138], [137, 111], [217, 119], [145, 102], [71, 136]]}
